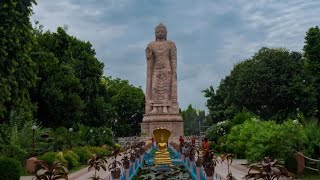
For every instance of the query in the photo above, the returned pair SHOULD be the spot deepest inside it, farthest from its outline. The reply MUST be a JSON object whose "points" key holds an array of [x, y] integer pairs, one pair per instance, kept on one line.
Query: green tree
{"points": [[312, 57], [125, 106], [69, 75], [193, 120], [17, 70], [272, 84]]}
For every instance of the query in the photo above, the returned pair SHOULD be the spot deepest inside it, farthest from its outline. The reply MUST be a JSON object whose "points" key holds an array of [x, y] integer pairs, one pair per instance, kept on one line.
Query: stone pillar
{"points": [[133, 164], [300, 162], [209, 173], [191, 165], [198, 173], [127, 174], [137, 163], [181, 157], [31, 166]]}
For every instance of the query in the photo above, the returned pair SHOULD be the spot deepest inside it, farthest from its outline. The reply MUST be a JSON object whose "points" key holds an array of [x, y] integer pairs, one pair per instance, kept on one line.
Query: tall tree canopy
{"points": [[272, 84], [68, 78], [17, 70], [71, 89], [312, 56], [57, 78]]}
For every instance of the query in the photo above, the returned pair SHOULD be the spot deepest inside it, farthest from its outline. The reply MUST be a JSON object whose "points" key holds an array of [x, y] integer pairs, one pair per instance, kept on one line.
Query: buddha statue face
{"points": [[161, 32]]}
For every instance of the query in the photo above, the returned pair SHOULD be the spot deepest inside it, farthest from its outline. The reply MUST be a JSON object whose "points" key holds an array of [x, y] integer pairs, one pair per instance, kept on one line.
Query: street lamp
{"points": [[70, 131], [91, 141], [34, 127], [31, 167]]}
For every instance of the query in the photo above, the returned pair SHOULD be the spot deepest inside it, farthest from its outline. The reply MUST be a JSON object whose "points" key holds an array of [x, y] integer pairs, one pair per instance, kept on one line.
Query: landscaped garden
{"points": [[57, 104]]}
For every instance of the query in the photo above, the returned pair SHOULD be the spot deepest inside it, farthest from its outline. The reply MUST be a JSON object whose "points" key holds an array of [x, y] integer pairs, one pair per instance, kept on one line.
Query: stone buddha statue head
{"points": [[161, 32]]}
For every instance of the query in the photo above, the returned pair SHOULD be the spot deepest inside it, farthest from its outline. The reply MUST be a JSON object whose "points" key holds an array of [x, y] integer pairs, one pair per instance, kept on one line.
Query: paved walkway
{"points": [[83, 174], [237, 169]]}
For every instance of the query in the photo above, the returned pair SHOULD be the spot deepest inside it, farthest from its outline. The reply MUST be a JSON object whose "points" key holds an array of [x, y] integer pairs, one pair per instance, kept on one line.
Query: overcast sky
{"points": [[211, 35]]}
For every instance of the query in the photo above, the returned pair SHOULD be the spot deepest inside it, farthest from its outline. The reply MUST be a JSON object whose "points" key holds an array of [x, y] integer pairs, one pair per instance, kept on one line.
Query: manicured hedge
{"points": [[10, 169]]}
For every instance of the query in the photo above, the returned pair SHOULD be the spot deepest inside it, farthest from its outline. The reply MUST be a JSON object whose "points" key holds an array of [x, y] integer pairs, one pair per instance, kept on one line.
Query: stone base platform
{"points": [[173, 122]]}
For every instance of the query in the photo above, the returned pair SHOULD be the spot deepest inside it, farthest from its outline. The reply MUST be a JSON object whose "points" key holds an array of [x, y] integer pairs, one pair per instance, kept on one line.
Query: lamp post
{"points": [[91, 137], [34, 127], [70, 131], [31, 161]]}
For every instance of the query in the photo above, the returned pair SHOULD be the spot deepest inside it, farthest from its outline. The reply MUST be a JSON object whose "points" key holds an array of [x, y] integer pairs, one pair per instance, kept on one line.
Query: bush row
{"points": [[74, 157], [255, 139]]}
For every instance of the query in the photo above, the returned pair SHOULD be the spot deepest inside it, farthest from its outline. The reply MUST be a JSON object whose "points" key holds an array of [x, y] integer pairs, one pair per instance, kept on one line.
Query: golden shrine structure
{"points": [[162, 156]]}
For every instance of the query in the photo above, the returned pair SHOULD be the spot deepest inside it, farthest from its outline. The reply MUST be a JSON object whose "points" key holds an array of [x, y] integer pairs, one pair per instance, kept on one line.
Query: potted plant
{"points": [[192, 153], [114, 166], [199, 159], [97, 162], [229, 158], [209, 162], [132, 155], [115, 170], [268, 168], [137, 152], [51, 172], [142, 148], [126, 160]]}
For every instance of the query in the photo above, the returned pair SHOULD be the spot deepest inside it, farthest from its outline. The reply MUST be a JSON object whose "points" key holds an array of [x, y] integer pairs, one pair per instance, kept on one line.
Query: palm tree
{"points": [[97, 162], [51, 172]]}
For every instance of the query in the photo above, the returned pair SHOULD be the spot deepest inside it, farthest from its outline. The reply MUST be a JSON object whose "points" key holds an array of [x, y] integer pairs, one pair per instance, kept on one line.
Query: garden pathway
{"points": [[237, 168], [83, 174]]}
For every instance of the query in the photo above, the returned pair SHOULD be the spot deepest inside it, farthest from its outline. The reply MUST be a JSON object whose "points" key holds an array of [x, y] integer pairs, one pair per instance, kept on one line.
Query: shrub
{"points": [[72, 158], [83, 153], [10, 168], [13, 151], [256, 139], [51, 157], [61, 136], [97, 150], [218, 130]]}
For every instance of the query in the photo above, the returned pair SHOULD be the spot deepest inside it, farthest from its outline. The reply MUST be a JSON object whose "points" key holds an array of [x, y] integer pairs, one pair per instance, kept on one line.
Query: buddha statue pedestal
{"points": [[172, 122], [162, 156]]}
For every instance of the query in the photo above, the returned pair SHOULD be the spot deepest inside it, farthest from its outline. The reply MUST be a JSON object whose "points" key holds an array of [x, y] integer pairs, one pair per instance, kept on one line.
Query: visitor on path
{"points": [[205, 144], [193, 141], [152, 141], [181, 140], [184, 149]]}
